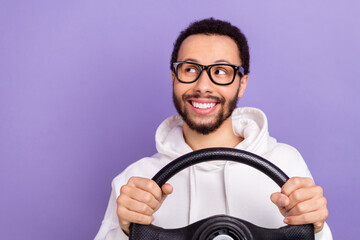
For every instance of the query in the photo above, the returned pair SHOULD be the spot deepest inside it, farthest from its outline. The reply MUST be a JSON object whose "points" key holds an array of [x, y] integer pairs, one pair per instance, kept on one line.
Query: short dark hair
{"points": [[211, 26]]}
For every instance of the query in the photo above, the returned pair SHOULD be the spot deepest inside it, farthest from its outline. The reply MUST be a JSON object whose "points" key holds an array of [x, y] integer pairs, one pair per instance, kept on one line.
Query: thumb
{"points": [[166, 190], [281, 201]]}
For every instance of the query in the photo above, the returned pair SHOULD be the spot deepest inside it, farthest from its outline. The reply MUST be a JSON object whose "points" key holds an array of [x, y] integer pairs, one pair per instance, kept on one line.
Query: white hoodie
{"points": [[218, 187]]}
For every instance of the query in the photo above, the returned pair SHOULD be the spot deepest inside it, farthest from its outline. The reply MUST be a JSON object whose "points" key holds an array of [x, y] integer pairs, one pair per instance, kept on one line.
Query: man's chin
{"points": [[203, 127]]}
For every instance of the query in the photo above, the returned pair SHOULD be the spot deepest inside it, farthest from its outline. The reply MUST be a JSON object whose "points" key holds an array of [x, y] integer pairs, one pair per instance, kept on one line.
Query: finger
{"points": [[307, 218], [303, 194], [127, 216], [295, 183], [138, 207], [147, 185], [310, 205], [138, 195]]}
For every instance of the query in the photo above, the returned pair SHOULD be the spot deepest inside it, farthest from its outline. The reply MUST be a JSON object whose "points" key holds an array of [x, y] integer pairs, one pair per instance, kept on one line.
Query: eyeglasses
{"points": [[221, 74]]}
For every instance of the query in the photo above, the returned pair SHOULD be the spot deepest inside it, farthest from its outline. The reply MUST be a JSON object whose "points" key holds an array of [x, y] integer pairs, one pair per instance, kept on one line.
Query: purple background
{"points": [[84, 85]]}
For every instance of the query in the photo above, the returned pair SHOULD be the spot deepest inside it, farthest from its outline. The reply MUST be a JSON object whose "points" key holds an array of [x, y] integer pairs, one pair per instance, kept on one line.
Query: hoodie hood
{"points": [[248, 123]]}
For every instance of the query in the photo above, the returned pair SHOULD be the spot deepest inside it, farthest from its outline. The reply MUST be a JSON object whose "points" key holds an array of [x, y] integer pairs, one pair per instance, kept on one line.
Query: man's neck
{"points": [[223, 137]]}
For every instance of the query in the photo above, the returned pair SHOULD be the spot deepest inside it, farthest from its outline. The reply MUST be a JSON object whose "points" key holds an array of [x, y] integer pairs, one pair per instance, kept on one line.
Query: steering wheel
{"points": [[221, 227]]}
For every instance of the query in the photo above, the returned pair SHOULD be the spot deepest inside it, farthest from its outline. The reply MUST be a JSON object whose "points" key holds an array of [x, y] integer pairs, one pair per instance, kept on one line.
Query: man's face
{"points": [[204, 105]]}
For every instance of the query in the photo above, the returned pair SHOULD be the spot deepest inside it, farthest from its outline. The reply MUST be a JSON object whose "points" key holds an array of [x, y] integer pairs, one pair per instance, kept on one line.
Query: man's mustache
{"points": [[185, 97]]}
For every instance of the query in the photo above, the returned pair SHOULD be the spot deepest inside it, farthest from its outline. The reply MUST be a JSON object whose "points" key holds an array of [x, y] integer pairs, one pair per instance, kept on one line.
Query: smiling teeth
{"points": [[203, 105]]}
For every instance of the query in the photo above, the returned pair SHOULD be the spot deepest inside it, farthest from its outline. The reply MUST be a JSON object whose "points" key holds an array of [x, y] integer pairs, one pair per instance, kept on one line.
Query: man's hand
{"points": [[138, 201], [302, 202]]}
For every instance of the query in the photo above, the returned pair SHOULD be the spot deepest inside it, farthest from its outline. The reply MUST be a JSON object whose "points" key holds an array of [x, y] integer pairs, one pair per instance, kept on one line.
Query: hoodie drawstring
{"points": [[227, 193], [192, 194]]}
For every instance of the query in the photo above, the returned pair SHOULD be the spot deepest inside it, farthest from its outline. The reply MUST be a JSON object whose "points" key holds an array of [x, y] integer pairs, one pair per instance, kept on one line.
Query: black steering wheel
{"points": [[221, 227]]}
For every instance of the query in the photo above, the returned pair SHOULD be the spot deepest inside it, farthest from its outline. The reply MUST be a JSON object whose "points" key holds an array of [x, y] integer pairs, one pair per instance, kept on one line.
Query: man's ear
{"points": [[173, 77], [243, 84]]}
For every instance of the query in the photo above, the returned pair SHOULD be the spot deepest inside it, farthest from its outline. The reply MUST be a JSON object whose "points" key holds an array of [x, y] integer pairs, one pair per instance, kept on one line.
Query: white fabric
{"points": [[220, 187]]}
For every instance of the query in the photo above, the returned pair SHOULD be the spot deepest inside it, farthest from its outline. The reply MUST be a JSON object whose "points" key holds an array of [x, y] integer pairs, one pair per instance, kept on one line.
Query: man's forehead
{"points": [[210, 48]]}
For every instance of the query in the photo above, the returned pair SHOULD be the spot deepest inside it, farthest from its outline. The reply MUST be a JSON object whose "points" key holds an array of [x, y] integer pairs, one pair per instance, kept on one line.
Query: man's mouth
{"points": [[200, 105], [203, 105]]}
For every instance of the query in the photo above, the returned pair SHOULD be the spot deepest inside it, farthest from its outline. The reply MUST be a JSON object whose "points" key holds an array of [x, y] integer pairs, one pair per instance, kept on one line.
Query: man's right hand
{"points": [[139, 199]]}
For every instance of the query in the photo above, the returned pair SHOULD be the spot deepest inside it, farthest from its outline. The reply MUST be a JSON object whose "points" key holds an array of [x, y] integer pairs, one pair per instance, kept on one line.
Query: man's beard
{"points": [[206, 128]]}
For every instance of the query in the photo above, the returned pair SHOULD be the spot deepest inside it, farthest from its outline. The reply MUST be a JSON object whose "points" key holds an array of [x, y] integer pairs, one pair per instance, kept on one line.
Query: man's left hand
{"points": [[302, 202]]}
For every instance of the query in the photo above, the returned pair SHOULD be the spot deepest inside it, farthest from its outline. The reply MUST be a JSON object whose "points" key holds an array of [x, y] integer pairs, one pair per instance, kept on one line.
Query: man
{"points": [[210, 67]]}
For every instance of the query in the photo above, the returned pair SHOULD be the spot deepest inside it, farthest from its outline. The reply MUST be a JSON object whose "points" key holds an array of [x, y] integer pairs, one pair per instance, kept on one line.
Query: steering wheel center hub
{"points": [[223, 237]]}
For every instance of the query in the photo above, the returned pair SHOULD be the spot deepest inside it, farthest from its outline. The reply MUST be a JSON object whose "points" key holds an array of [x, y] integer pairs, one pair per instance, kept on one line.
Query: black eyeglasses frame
{"points": [[208, 67]]}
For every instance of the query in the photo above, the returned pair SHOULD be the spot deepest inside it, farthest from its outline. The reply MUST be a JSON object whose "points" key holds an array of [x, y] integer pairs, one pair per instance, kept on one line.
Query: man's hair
{"points": [[211, 26]]}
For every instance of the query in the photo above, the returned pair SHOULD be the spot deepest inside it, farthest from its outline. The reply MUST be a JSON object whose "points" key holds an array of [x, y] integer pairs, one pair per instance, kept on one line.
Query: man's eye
{"points": [[190, 70], [220, 72]]}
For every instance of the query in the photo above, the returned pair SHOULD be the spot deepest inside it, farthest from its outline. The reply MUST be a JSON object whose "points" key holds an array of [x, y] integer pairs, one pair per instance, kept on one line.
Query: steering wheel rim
{"points": [[138, 231]]}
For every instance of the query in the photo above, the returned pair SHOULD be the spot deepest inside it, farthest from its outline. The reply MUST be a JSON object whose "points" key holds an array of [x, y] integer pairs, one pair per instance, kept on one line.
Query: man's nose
{"points": [[204, 83]]}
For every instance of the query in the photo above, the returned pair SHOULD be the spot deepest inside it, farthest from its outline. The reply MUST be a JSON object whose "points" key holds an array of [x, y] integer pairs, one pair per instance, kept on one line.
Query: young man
{"points": [[210, 66]]}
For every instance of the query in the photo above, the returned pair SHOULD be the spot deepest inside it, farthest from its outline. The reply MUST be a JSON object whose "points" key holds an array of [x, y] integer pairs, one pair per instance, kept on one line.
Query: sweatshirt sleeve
{"points": [[110, 228], [297, 167], [324, 234]]}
